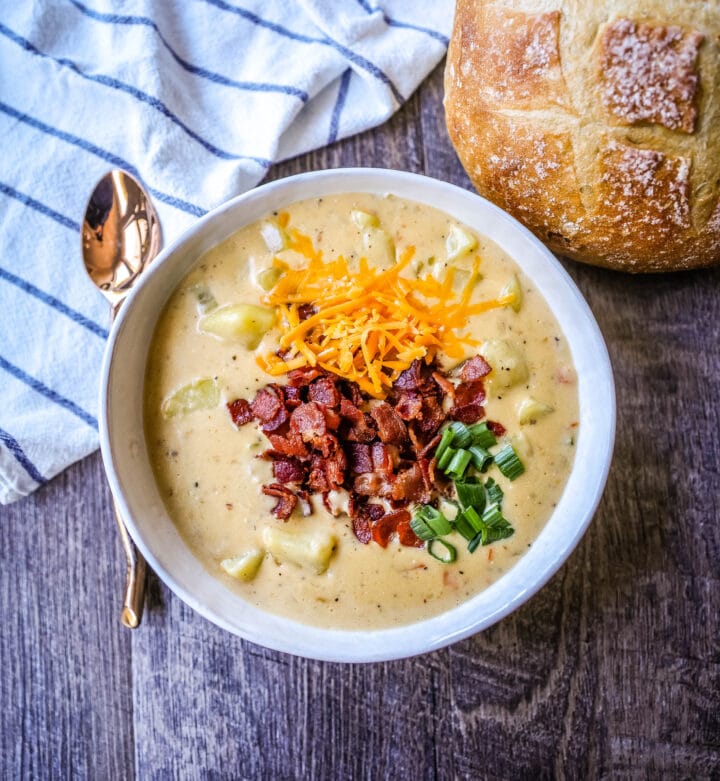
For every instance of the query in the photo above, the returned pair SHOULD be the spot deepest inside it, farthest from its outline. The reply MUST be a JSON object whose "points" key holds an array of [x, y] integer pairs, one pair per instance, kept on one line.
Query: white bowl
{"points": [[131, 477]]}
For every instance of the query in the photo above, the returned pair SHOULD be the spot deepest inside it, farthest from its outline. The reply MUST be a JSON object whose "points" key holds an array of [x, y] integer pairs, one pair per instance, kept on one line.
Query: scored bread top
{"points": [[596, 124]]}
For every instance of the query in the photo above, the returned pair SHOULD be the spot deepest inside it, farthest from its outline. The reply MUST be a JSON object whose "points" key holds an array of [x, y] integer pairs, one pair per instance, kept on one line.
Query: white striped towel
{"points": [[198, 99]]}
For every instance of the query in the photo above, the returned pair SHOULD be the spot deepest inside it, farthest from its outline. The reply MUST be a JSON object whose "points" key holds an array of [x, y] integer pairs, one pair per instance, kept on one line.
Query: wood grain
{"points": [[611, 671]]}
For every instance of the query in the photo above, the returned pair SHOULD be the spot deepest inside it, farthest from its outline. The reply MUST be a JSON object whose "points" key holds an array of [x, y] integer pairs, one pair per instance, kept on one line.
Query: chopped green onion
{"points": [[461, 434], [464, 527], [475, 542], [492, 516], [508, 462], [481, 459], [421, 528], [494, 492], [445, 442], [437, 522], [472, 517], [459, 463], [471, 493], [447, 556], [482, 436], [495, 534], [446, 458]]}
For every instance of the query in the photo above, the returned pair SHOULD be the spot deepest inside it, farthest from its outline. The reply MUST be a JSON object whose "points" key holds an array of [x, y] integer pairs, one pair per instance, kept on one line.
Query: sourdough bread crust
{"points": [[595, 124]]}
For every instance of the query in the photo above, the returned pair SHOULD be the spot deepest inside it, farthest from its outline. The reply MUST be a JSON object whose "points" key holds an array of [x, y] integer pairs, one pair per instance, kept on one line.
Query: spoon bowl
{"points": [[120, 235]]}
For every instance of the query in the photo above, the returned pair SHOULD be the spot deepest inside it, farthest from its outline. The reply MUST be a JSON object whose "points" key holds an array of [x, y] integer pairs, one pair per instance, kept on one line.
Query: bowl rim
{"points": [[383, 644]]}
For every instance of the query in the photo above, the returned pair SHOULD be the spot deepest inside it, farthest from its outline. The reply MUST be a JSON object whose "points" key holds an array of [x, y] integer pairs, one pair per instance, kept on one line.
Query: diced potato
{"points": [[243, 323], [268, 278], [379, 246], [275, 237], [364, 219], [245, 566], [513, 290], [206, 300], [531, 410], [507, 361], [523, 446], [199, 394], [310, 550], [459, 242]]}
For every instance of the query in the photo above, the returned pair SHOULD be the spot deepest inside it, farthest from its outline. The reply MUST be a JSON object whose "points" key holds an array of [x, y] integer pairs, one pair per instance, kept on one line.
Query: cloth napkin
{"points": [[197, 98]]}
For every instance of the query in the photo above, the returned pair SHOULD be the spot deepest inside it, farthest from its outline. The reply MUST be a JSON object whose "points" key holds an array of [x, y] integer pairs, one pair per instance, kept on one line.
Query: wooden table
{"points": [[612, 670]]}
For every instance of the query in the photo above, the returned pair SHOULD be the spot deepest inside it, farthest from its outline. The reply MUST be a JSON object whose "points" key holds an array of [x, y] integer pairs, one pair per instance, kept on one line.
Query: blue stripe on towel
{"points": [[40, 207], [14, 447], [48, 393], [134, 92], [55, 303], [218, 78], [339, 104], [355, 58], [404, 25], [115, 160]]}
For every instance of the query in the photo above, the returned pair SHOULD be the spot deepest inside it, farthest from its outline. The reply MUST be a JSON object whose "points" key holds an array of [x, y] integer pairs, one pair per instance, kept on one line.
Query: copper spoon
{"points": [[120, 237]]}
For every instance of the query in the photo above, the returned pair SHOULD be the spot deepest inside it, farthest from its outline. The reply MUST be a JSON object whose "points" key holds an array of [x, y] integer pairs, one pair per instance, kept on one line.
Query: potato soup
{"points": [[358, 412]]}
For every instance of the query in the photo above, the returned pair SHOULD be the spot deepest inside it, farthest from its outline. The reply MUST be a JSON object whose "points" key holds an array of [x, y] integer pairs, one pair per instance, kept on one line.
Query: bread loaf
{"points": [[596, 124]]}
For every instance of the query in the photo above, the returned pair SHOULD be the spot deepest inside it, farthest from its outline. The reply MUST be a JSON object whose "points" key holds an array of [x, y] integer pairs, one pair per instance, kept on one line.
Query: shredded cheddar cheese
{"points": [[368, 324]]}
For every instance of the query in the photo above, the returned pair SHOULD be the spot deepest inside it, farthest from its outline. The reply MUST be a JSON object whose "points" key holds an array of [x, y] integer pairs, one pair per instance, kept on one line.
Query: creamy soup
{"points": [[208, 470]]}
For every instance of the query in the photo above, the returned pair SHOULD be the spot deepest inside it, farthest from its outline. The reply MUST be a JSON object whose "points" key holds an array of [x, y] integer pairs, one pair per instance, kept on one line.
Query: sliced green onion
{"points": [[482, 436], [437, 522], [445, 442], [461, 434], [494, 492], [492, 516], [446, 556], [471, 493], [508, 462], [495, 534], [481, 459], [446, 458], [475, 542], [421, 528], [473, 518], [459, 463], [464, 527]]}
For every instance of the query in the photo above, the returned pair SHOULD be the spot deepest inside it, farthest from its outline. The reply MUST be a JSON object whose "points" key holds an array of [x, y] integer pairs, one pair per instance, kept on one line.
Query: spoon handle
{"points": [[135, 585]]}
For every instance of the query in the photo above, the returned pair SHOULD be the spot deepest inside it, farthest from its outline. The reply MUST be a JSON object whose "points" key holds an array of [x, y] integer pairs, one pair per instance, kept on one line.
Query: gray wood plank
{"points": [[65, 659]]}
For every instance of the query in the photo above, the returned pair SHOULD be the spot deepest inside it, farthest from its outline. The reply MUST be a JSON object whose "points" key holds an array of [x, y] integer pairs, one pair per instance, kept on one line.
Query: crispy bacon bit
{"points": [[444, 384], [308, 420], [390, 425], [370, 484], [468, 414], [361, 529], [303, 376], [240, 412], [306, 310], [359, 458], [409, 405], [293, 396], [288, 470], [276, 422], [474, 368], [324, 391], [410, 484], [287, 501], [289, 445], [384, 458], [470, 393], [266, 405], [497, 428], [383, 529], [431, 415], [406, 536]]}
